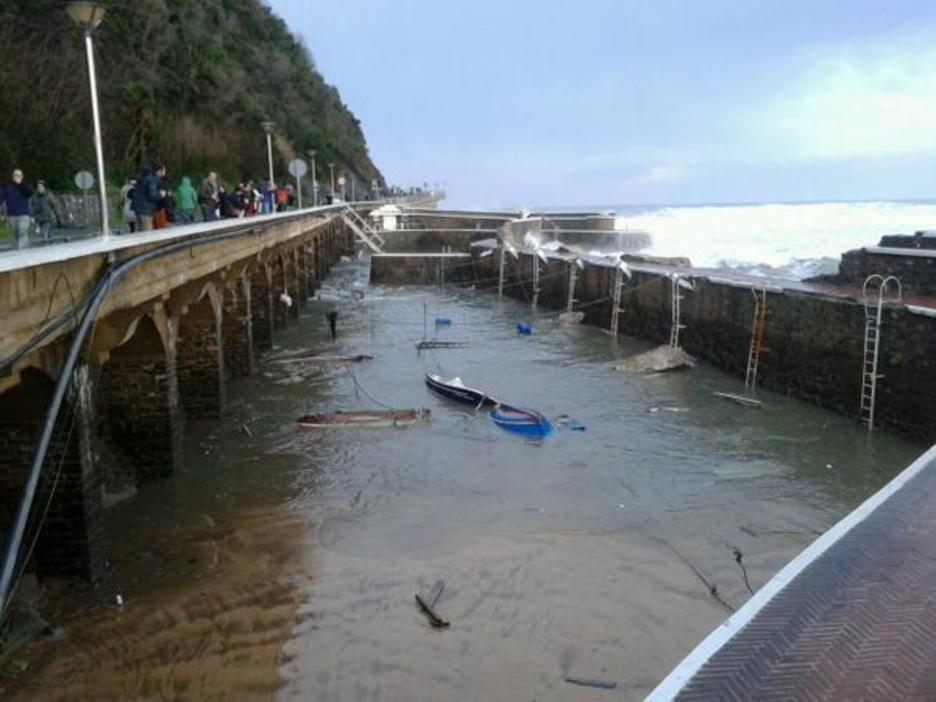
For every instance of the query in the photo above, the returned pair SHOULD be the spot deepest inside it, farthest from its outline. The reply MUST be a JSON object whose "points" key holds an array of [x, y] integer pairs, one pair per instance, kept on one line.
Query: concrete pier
{"points": [[168, 338]]}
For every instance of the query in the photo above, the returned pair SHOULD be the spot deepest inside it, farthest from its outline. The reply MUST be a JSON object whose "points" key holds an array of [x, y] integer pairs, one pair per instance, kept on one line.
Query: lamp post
{"points": [[331, 170], [312, 153], [267, 126], [88, 16]]}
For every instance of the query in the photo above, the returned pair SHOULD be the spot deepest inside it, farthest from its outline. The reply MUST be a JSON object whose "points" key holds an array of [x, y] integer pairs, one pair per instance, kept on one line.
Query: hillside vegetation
{"points": [[183, 81]]}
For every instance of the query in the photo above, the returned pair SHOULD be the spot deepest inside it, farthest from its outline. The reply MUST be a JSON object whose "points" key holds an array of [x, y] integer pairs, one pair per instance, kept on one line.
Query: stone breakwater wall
{"points": [[815, 340]]}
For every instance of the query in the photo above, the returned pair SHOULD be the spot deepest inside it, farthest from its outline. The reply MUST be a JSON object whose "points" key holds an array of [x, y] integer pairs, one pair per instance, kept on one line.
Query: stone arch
{"points": [[200, 354], [141, 416], [261, 306], [236, 327]]}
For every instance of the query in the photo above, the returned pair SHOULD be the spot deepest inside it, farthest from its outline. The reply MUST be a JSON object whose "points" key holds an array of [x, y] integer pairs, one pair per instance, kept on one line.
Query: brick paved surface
{"points": [[858, 623]]}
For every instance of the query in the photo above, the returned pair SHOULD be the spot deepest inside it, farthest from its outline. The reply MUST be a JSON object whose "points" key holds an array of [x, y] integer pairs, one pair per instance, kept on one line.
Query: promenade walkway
{"points": [[853, 617]]}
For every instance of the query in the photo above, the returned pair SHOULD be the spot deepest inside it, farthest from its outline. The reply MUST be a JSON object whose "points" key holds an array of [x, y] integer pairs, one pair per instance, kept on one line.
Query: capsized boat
{"points": [[521, 421], [455, 389], [366, 418]]}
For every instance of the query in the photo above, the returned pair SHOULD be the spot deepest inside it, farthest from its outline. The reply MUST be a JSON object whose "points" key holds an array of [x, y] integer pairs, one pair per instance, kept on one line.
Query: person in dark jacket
{"points": [[209, 197], [44, 211], [147, 196], [16, 197]]}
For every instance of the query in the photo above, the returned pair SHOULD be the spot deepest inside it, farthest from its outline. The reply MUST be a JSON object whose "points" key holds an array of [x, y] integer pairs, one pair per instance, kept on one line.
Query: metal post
{"points": [[536, 279], [500, 279], [570, 299], [270, 156], [331, 171], [314, 182], [299, 191], [98, 146], [616, 309]]}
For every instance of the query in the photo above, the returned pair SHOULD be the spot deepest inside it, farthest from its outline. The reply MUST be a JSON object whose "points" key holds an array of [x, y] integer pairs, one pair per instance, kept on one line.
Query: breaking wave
{"points": [[789, 240]]}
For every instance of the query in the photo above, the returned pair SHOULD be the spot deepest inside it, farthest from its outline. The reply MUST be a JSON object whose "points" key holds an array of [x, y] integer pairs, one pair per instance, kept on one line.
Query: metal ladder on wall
{"points": [[366, 234], [570, 295], [676, 284], [873, 296], [616, 297], [758, 325]]}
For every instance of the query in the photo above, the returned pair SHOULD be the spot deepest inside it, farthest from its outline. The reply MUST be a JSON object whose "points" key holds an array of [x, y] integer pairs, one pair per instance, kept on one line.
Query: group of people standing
{"points": [[148, 202], [25, 206]]}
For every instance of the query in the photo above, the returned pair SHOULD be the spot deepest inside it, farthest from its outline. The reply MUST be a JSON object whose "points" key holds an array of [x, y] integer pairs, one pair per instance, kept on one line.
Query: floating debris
{"points": [[443, 321], [659, 360], [591, 682], [567, 422], [366, 418], [524, 329], [438, 344], [428, 604], [571, 318], [739, 399]]}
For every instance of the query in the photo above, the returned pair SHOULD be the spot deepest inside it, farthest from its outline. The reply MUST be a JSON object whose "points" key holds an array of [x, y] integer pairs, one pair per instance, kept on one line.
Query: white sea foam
{"points": [[796, 240]]}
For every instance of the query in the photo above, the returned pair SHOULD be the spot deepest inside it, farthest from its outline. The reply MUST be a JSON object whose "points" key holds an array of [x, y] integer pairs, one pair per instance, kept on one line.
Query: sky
{"points": [[618, 102]]}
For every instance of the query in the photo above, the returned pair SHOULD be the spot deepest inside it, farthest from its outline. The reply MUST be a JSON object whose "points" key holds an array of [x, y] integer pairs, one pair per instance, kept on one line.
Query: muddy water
{"points": [[283, 563]]}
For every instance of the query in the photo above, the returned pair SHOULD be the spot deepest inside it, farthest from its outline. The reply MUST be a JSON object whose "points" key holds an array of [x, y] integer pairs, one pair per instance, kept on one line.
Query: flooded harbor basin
{"points": [[283, 562]]}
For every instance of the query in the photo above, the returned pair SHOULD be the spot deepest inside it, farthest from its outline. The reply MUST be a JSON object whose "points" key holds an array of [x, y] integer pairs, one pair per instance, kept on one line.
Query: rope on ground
{"points": [[712, 587], [363, 391], [738, 556]]}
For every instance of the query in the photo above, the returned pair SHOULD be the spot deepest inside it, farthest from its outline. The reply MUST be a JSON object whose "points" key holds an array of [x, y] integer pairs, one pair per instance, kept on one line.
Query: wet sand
{"points": [[218, 636]]}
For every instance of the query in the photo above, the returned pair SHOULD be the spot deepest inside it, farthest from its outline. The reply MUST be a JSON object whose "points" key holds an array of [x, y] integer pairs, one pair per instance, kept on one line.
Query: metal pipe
{"points": [[98, 146]]}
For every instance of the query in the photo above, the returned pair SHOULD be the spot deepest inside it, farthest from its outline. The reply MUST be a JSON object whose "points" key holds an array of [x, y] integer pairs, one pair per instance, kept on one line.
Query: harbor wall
{"points": [[814, 341]]}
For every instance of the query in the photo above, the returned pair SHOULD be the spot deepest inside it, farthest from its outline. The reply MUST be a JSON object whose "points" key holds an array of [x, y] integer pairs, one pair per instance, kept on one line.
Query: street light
{"points": [[88, 16], [268, 126], [331, 170], [312, 153]]}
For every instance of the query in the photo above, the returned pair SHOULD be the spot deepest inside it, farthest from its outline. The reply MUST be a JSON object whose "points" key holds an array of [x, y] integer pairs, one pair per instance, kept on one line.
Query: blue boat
{"points": [[455, 389], [521, 421]]}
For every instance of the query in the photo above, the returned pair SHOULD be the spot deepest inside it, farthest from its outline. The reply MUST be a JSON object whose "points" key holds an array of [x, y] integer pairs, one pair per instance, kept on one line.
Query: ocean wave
{"points": [[789, 240]]}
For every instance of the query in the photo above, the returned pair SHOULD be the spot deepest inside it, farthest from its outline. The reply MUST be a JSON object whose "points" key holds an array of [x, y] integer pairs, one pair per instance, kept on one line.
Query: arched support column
{"points": [[141, 412], [291, 269], [237, 329], [200, 357], [280, 310], [261, 307]]}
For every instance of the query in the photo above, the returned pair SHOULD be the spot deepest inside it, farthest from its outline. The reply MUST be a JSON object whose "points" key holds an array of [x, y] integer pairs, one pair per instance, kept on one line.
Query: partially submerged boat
{"points": [[365, 418], [455, 389], [528, 423], [324, 360]]}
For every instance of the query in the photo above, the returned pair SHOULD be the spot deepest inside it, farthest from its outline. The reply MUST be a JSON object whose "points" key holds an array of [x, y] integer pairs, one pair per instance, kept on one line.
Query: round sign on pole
{"points": [[341, 180], [84, 180], [298, 167]]}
